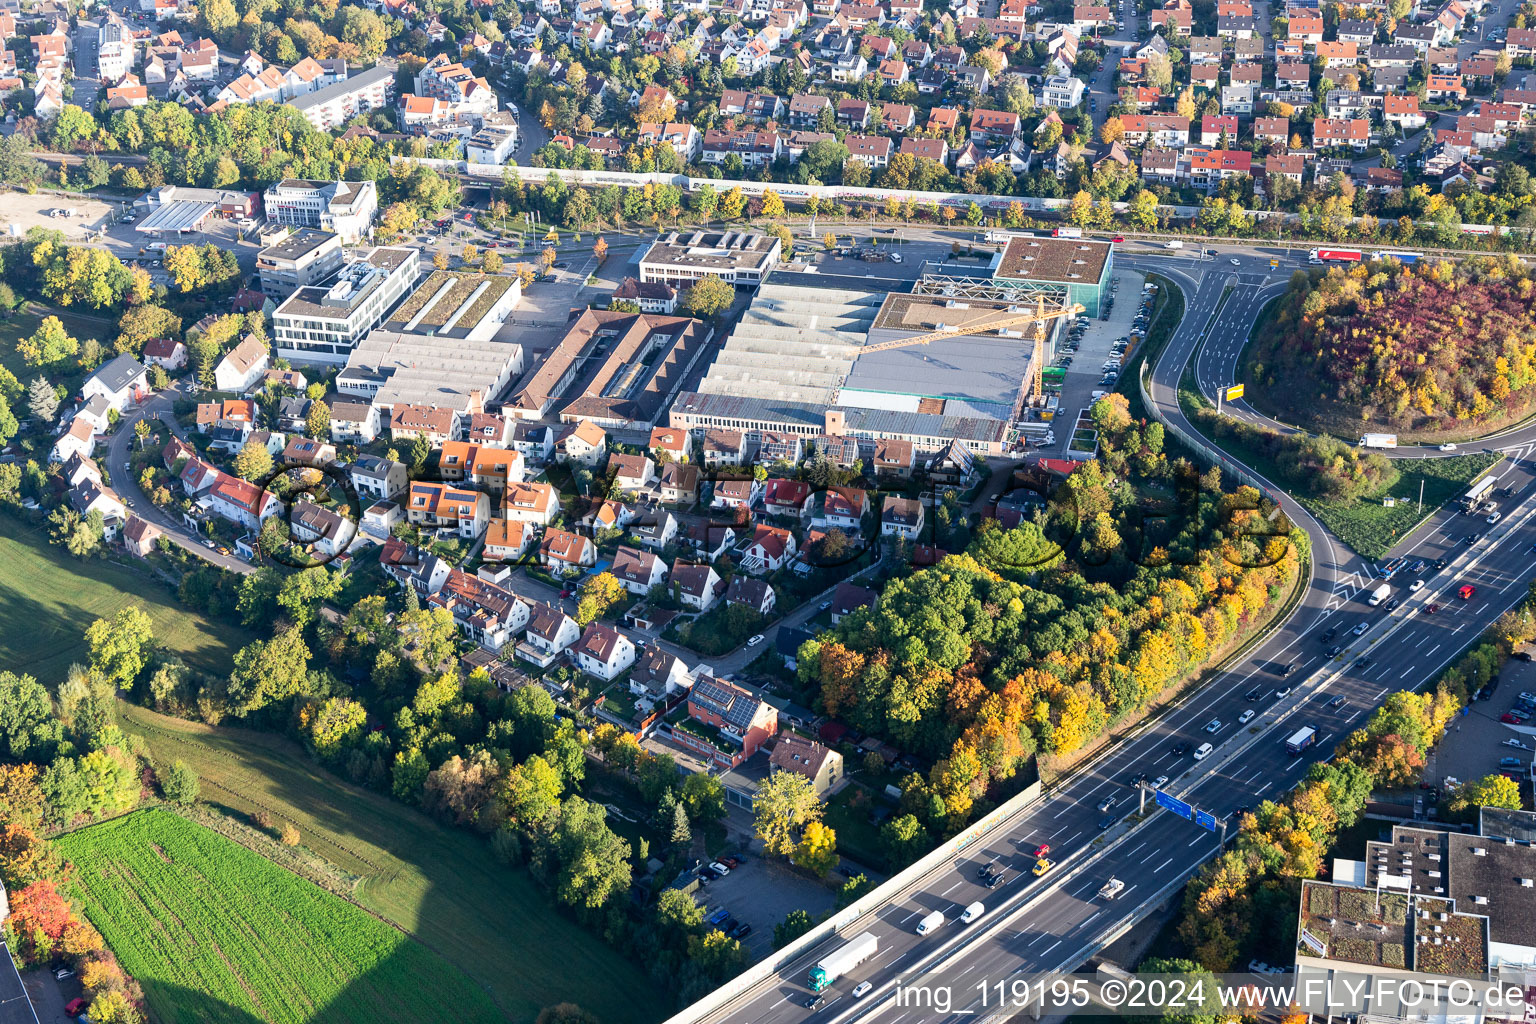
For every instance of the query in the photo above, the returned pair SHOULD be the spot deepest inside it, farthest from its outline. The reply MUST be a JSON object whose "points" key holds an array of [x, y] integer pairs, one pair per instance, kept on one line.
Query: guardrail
{"points": [[894, 888]]}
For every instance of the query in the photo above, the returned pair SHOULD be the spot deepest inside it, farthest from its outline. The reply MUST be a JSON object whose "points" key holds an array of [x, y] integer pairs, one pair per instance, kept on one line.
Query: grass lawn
{"points": [[23, 324], [215, 932], [858, 838], [1367, 525], [58, 596], [440, 884]]}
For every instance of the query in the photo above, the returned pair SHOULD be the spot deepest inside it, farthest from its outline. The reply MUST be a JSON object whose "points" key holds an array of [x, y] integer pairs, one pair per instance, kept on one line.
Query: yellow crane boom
{"points": [[988, 320]]}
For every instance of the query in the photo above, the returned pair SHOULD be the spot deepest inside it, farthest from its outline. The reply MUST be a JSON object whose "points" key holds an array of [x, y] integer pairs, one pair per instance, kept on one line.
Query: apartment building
{"points": [[339, 102]]}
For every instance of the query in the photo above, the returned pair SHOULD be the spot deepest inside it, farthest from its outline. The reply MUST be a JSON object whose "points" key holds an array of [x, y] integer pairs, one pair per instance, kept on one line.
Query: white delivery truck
{"points": [[1378, 441], [1380, 594], [1111, 889], [1175, 245], [839, 963], [930, 922]]}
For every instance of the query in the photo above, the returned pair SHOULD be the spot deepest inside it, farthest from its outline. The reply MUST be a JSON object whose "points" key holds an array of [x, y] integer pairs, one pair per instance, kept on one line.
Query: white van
{"points": [[972, 912], [1099, 394], [930, 922], [1203, 751]]}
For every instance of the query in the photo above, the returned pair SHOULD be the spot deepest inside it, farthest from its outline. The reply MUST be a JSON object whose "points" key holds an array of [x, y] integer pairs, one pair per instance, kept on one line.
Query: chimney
{"points": [[835, 423]]}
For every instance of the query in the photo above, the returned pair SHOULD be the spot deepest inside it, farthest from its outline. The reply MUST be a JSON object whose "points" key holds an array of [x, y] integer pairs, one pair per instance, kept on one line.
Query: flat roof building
{"points": [[302, 259], [736, 257], [1425, 902], [323, 323], [344, 207], [1082, 265], [389, 369], [458, 305], [796, 364]]}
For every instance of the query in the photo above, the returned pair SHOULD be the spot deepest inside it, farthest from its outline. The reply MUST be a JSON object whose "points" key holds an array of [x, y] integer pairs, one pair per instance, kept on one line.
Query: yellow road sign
{"points": [[1234, 392], [1274, 263]]}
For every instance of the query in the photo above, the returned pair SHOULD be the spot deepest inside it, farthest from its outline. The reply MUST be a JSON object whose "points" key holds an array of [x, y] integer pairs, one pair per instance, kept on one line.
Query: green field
{"points": [[215, 932], [23, 323], [440, 884], [48, 598]]}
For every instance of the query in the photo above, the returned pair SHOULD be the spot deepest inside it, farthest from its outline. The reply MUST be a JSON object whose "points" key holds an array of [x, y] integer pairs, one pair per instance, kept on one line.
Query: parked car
{"points": [[755, 640], [719, 868]]}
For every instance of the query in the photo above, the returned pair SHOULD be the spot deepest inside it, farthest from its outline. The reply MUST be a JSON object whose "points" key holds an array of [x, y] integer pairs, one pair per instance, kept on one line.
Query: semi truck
{"points": [[1379, 595], [839, 963], [1335, 256], [1378, 441], [1067, 233], [1301, 739], [1478, 491]]}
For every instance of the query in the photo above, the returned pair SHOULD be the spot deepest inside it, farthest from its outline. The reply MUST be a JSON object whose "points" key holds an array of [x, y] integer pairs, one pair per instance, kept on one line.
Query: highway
{"points": [[1286, 681]]}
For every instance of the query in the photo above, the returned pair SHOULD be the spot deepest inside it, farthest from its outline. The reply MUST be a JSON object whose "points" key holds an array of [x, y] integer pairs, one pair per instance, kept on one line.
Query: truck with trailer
{"points": [[840, 962], [1065, 232], [1478, 491], [1380, 594], [1335, 256], [1378, 440], [1301, 739]]}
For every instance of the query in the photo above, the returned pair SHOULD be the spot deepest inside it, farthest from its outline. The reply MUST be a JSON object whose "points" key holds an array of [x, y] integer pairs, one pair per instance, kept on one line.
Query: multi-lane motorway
{"points": [[1287, 681]]}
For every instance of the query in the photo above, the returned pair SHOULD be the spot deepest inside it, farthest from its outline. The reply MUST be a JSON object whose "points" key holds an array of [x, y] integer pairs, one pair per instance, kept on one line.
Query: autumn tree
{"points": [[707, 298], [782, 809]]}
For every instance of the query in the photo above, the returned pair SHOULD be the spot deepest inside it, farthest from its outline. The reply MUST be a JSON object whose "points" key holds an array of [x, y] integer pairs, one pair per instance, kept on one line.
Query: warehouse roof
{"points": [[1056, 260]]}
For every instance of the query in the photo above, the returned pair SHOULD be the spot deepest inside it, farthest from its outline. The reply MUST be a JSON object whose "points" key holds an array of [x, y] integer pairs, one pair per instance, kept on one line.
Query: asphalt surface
{"points": [[1286, 682]]}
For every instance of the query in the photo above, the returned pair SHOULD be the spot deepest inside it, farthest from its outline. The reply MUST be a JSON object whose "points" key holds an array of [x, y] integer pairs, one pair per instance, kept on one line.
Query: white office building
{"points": [[323, 324], [345, 208]]}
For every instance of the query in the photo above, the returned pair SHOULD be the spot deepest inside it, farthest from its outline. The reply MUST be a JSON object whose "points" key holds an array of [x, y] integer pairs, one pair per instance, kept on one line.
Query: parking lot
{"points": [[761, 893], [1096, 347], [1476, 742], [87, 216]]}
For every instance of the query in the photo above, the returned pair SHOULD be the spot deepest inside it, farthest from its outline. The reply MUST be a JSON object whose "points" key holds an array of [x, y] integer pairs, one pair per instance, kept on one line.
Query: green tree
{"points": [[794, 925], [179, 783], [269, 670], [318, 420], [704, 796], [49, 345], [593, 862], [1488, 791], [335, 726], [42, 400], [253, 461], [905, 839], [29, 730], [77, 534], [816, 851], [681, 835], [120, 646], [707, 298], [599, 594], [678, 915]]}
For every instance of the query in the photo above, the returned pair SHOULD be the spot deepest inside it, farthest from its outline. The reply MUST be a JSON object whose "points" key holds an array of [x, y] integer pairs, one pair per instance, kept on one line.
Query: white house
{"points": [[550, 632], [326, 530], [698, 586], [638, 571], [604, 652], [901, 517], [242, 366], [121, 380]]}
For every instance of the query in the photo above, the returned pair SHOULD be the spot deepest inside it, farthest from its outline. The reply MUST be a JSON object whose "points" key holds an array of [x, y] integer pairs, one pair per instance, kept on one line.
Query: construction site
{"points": [[940, 359]]}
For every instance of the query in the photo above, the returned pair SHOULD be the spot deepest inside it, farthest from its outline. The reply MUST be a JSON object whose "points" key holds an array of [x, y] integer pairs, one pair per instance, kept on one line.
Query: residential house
{"points": [[698, 586], [440, 506], [901, 517], [354, 421], [845, 508], [584, 443], [787, 498], [751, 593], [120, 380], [769, 549], [533, 503], [1329, 133], [848, 598], [723, 447], [632, 473], [817, 762], [507, 540], [670, 441], [679, 484], [378, 478], [741, 494], [874, 151], [242, 502], [604, 652], [488, 614], [327, 531], [638, 571], [140, 535], [564, 551], [550, 632], [657, 674], [745, 721]]}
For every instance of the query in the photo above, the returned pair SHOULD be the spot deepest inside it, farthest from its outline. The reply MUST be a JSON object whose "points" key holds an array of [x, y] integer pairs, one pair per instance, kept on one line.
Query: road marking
{"points": [[1162, 865], [1046, 951], [1264, 788], [1195, 840], [946, 892], [1432, 650], [1293, 764]]}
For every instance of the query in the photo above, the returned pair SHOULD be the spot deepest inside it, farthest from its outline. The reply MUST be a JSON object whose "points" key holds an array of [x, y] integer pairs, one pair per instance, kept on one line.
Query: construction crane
{"points": [[988, 320]]}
